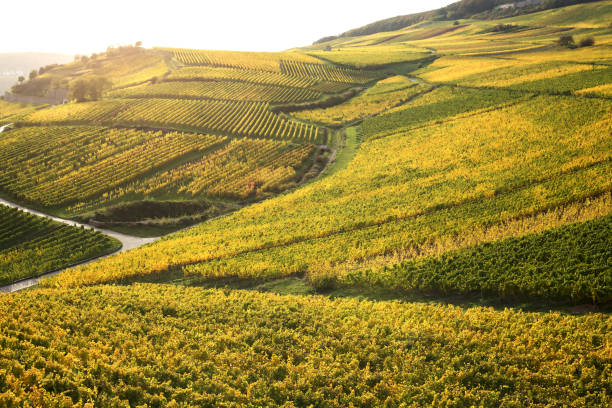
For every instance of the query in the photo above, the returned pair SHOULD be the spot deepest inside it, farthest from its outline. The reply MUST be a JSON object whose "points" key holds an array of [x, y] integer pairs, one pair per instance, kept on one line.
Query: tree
{"points": [[79, 89], [587, 42], [33, 74], [566, 41], [96, 87], [21, 79]]}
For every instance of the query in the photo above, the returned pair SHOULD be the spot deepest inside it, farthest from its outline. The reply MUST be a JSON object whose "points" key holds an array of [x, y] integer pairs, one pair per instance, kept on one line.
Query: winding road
{"points": [[127, 241]]}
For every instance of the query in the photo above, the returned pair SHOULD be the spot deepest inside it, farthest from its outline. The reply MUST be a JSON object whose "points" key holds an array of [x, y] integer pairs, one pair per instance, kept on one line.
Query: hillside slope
{"points": [[462, 9], [14, 65], [454, 250], [197, 132]]}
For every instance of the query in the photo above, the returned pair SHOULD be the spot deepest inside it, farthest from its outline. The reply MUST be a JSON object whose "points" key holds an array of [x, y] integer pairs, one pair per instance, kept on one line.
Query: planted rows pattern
{"points": [[162, 345], [32, 245], [242, 169], [442, 103], [244, 75], [263, 61], [58, 165], [386, 94], [418, 193], [565, 263], [238, 118], [325, 72], [225, 90]]}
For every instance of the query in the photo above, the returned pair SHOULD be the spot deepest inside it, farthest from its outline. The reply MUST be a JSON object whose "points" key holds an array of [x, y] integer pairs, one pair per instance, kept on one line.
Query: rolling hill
{"points": [[417, 217]]}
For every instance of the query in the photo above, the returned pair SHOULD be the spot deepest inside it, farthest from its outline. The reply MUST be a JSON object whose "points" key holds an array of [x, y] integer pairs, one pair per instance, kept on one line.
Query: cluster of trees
{"points": [[111, 50], [569, 42], [124, 49], [84, 89]]}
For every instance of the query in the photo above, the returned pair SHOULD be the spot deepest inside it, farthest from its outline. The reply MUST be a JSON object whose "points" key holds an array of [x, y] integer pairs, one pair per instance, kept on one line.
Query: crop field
{"points": [[442, 103], [418, 193], [41, 165], [554, 77], [374, 56], [241, 169], [536, 265], [325, 72], [386, 94], [261, 61], [232, 348], [237, 118], [224, 90], [10, 111], [31, 245], [416, 215], [128, 70], [243, 75]]}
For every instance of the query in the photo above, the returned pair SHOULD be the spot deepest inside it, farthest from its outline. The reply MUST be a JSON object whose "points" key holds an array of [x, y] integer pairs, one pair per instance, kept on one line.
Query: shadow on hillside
{"points": [[299, 286]]}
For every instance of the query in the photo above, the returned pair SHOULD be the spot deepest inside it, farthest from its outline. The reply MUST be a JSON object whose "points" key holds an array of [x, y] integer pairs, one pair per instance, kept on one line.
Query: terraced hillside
{"points": [[453, 252], [207, 129]]}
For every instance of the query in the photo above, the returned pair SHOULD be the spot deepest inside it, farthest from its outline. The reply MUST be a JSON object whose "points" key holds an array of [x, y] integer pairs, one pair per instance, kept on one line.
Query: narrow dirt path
{"points": [[127, 242]]}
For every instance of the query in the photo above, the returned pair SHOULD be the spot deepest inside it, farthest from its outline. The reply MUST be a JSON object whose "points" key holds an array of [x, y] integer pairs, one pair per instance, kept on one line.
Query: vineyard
{"points": [[10, 111], [417, 194], [440, 104], [225, 90], [243, 168], [242, 75], [234, 118], [162, 345], [375, 56], [386, 94], [325, 72], [261, 61], [414, 213], [41, 165], [534, 266], [31, 245]]}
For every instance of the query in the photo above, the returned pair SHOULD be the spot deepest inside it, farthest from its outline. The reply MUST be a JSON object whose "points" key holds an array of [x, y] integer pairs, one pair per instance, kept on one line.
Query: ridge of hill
{"points": [[463, 9]]}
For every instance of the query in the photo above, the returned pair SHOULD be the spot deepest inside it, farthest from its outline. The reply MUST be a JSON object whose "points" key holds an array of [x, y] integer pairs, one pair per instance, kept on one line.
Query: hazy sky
{"points": [[71, 26]]}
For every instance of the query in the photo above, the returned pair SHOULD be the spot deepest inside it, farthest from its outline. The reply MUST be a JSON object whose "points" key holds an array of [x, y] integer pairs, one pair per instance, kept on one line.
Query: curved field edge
{"points": [[381, 229], [32, 246]]}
